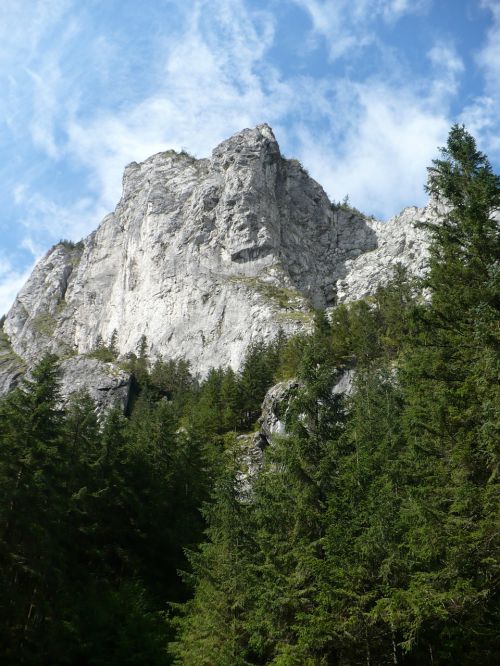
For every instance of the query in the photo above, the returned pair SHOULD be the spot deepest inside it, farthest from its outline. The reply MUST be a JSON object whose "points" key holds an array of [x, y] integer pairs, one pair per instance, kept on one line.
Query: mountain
{"points": [[200, 258]]}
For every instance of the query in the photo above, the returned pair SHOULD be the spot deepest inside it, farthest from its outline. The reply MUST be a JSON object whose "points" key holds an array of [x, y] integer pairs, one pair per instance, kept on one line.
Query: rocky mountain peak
{"points": [[204, 256], [249, 144]]}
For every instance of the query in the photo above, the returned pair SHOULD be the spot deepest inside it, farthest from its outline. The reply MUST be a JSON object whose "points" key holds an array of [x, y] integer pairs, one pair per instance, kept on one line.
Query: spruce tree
{"points": [[32, 508], [450, 380]]}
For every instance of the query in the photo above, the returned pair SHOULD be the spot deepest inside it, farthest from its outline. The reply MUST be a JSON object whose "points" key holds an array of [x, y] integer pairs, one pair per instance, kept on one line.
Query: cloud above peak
{"points": [[384, 153]]}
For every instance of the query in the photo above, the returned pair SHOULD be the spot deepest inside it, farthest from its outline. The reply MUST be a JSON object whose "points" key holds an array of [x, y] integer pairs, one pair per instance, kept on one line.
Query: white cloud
{"points": [[481, 114], [449, 66], [381, 162], [46, 103], [28, 73], [489, 56], [446, 57], [339, 22], [383, 134], [346, 25], [35, 249], [24, 25], [394, 9], [46, 218], [19, 193], [11, 281]]}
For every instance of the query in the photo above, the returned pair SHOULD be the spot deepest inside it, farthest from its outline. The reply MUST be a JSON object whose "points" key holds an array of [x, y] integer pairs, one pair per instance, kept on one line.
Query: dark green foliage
{"points": [[230, 402], [256, 376], [94, 518], [211, 630], [172, 381], [376, 328], [450, 380], [290, 358], [31, 486], [70, 245]]}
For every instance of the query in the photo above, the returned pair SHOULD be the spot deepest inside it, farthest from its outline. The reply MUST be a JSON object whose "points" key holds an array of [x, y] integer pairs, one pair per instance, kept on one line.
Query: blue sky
{"points": [[361, 91]]}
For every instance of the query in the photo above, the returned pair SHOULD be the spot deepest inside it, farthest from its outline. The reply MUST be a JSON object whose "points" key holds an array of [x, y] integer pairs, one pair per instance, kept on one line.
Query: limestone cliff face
{"points": [[202, 256], [399, 241]]}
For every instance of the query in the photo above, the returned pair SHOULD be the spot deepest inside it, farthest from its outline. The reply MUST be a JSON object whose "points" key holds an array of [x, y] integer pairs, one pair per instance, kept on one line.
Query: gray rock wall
{"points": [[203, 256]]}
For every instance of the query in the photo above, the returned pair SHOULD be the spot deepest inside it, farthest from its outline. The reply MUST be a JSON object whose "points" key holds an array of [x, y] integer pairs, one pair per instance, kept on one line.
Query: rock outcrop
{"points": [[275, 409], [278, 400], [107, 385], [203, 256], [399, 241], [12, 367]]}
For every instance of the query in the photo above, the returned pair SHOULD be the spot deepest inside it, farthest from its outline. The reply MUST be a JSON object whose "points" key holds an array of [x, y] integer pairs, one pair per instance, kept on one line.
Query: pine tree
{"points": [[451, 388], [211, 629], [255, 378], [32, 507]]}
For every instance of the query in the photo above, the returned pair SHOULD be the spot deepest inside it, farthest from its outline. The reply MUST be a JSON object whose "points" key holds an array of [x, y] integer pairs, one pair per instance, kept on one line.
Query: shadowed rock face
{"points": [[275, 407], [204, 256], [107, 385]]}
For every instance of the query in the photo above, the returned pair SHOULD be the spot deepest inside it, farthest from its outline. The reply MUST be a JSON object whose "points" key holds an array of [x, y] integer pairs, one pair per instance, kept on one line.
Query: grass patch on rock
{"points": [[283, 297], [45, 324]]}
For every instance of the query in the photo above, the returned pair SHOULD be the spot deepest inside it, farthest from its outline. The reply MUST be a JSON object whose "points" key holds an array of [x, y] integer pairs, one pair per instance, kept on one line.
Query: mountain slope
{"points": [[204, 256]]}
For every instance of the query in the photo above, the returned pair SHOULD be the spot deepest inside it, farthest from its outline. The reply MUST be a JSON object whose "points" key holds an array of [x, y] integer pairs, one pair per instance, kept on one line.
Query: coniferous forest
{"points": [[368, 535]]}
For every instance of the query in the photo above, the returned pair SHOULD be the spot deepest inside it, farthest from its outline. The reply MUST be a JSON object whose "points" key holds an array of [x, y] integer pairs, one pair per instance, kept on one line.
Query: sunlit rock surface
{"points": [[204, 256]]}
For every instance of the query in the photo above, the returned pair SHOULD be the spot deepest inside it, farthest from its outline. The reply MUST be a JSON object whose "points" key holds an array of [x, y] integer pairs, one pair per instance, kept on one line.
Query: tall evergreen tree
{"points": [[450, 381], [32, 507]]}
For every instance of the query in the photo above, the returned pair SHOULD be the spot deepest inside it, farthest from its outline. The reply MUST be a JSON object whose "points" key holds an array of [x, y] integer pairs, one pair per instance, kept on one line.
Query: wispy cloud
{"points": [[448, 67], [25, 28], [381, 161], [11, 281], [41, 214], [482, 115], [346, 24], [25, 25], [394, 9], [489, 56]]}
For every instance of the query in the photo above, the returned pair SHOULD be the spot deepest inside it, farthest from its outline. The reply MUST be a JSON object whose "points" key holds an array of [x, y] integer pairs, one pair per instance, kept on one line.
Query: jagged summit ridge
{"points": [[202, 256]]}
